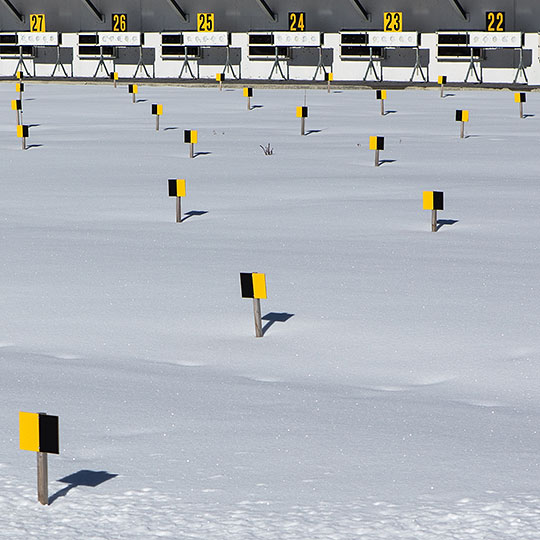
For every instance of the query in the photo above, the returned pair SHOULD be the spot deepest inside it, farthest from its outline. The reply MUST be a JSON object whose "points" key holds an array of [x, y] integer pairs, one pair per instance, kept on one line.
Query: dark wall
{"points": [[247, 15]]}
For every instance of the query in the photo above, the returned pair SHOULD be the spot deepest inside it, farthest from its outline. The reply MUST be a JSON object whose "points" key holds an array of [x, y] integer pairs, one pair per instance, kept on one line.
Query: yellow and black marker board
{"points": [[19, 87], [253, 285], [157, 109], [177, 188], [442, 79], [381, 94], [301, 112], [376, 143], [462, 116], [38, 432], [190, 136], [20, 74], [520, 97], [220, 77], [16, 105], [22, 131], [248, 92], [114, 75], [133, 88], [329, 77], [433, 200]]}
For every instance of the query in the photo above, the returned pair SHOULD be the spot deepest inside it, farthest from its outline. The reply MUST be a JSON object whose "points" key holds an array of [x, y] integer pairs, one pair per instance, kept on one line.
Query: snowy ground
{"points": [[396, 395]]}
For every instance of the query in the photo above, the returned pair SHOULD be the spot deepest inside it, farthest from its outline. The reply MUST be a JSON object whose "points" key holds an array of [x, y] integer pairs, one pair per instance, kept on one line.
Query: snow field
{"points": [[401, 398]]}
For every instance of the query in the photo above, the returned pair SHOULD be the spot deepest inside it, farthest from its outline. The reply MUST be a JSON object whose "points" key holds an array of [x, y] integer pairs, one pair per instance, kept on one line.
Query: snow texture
{"points": [[395, 393]]}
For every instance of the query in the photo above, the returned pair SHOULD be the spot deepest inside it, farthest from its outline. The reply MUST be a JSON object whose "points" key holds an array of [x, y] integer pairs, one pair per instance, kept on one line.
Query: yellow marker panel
{"points": [[20, 74], [464, 116], [205, 22], [37, 22], [259, 285], [159, 110], [393, 21], [19, 87], [135, 89], [427, 198], [21, 131], [194, 137], [373, 142], [114, 76], [330, 76], [29, 431], [180, 188], [14, 105]]}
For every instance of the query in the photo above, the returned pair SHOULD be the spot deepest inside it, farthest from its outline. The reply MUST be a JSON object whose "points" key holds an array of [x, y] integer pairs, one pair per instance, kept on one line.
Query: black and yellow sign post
{"points": [[442, 81], [462, 116], [433, 200], [114, 77], [220, 77], [253, 285], [19, 87], [22, 132], [16, 105], [177, 188], [248, 92], [376, 143], [190, 137], [329, 77], [521, 98], [133, 89], [381, 96], [302, 112], [38, 432], [157, 110]]}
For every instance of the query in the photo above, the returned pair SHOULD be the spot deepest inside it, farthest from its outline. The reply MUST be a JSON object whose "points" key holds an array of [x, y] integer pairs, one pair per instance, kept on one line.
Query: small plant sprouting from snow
{"points": [[268, 150]]}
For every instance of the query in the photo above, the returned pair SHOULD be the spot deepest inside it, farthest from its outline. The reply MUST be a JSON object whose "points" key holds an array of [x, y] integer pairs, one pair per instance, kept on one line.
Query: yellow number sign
{"points": [[495, 21], [37, 22], [297, 21], [205, 22], [393, 21], [119, 22]]}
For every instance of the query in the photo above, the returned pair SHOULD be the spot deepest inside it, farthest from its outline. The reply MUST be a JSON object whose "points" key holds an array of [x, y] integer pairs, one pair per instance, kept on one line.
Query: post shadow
{"points": [[197, 154], [442, 222], [275, 317], [192, 213], [310, 131], [81, 478]]}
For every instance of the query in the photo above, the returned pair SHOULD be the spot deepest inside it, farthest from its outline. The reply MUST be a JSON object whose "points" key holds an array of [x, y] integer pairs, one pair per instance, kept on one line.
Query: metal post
{"points": [[434, 221], [442, 90], [133, 97], [42, 478], [220, 86], [376, 158], [302, 126], [382, 107], [257, 315], [190, 150], [328, 86], [18, 118], [24, 143], [520, 109], [157, 122], [249, 103], [114, 83], [462, 133], [178, 209]]}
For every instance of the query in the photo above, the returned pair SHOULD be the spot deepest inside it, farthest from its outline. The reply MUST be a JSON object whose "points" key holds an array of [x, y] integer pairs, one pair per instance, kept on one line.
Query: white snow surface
{"points": [[396, 395]]}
